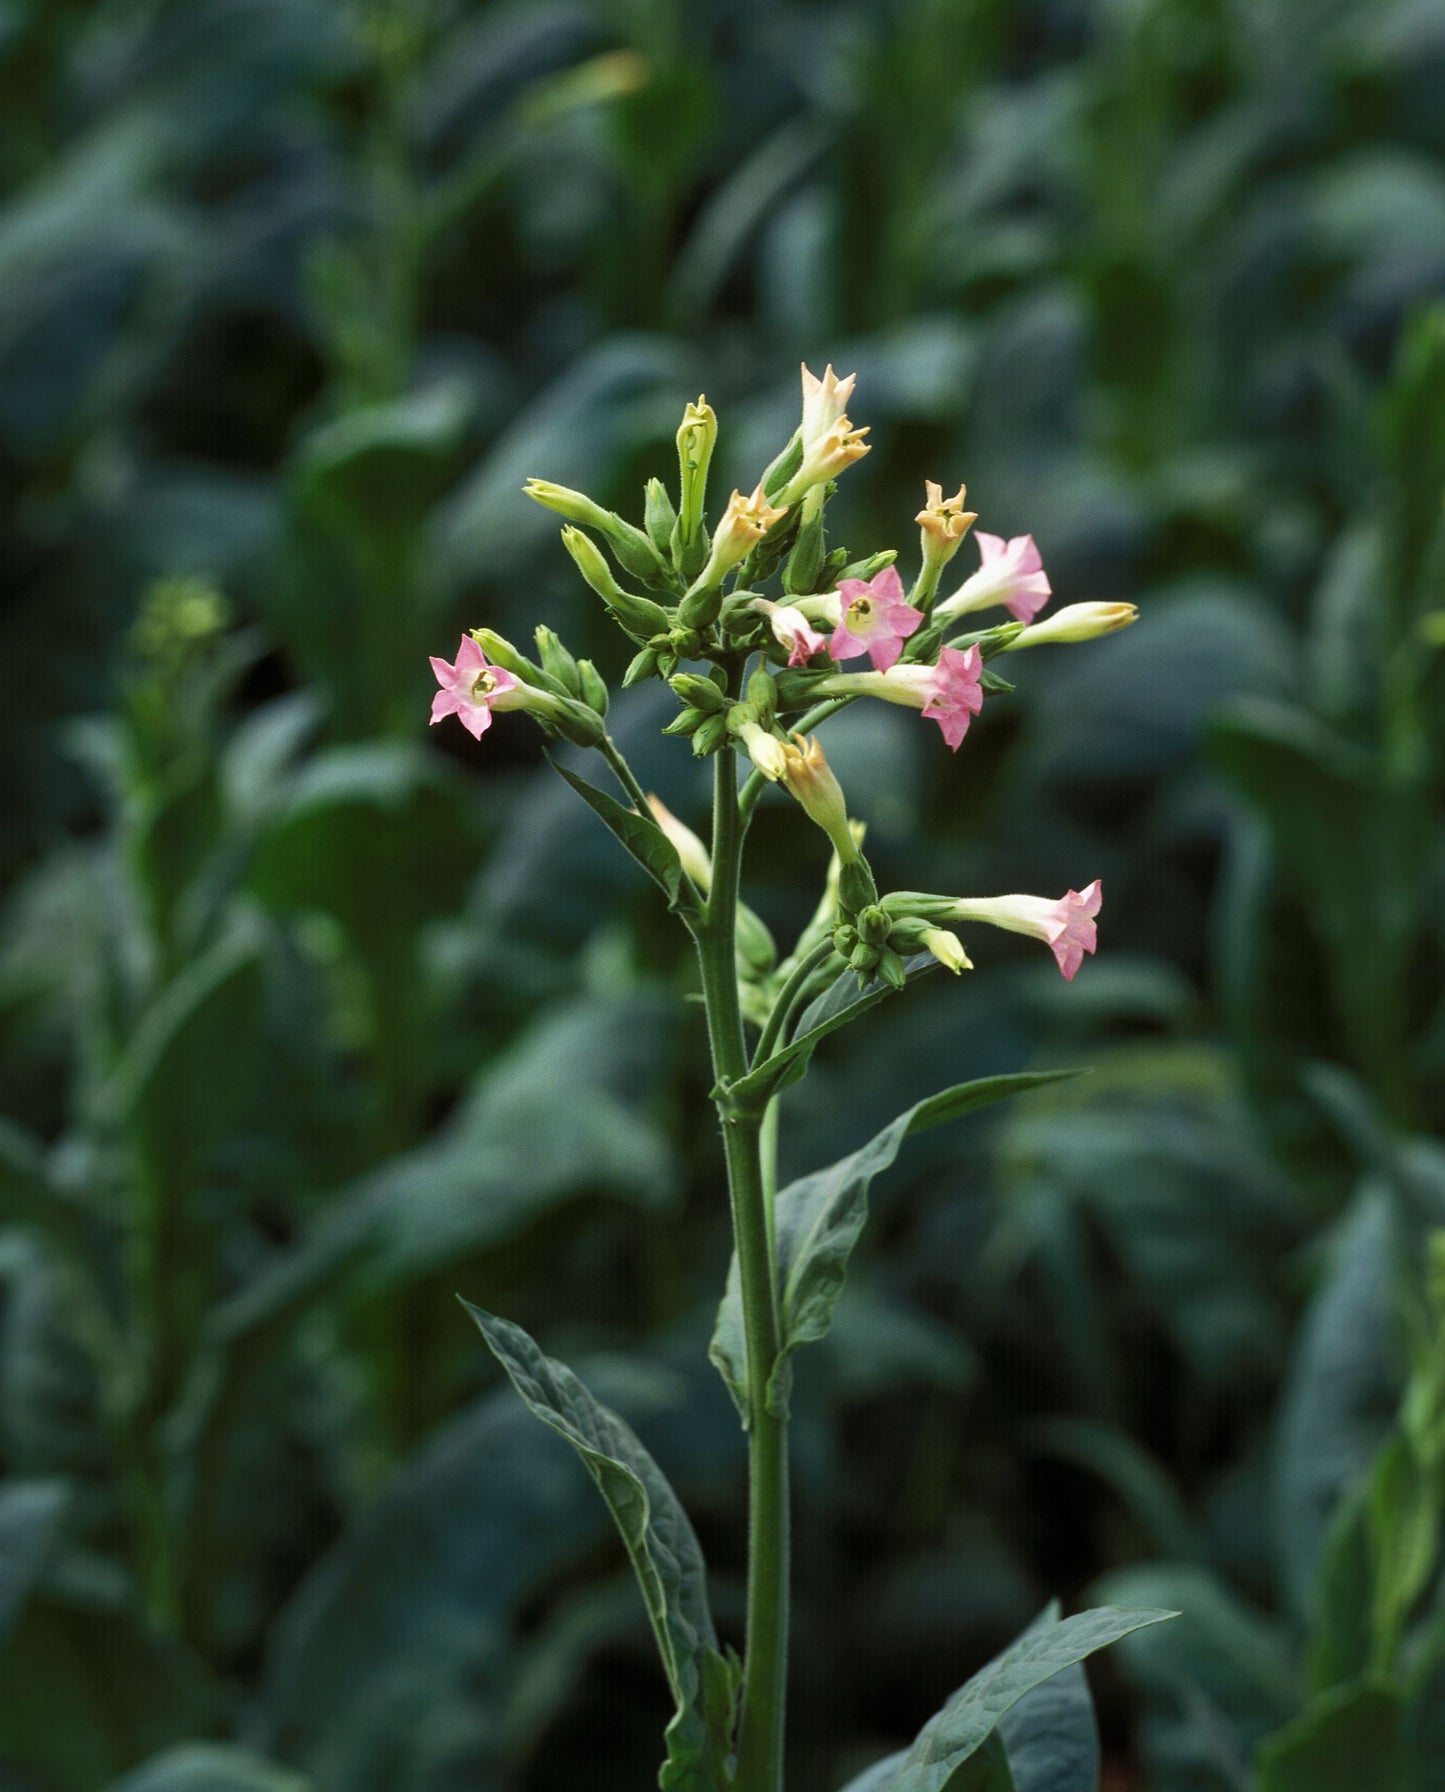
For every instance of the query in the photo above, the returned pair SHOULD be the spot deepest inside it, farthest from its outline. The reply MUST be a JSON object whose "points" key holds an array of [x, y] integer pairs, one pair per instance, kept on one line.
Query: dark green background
{"points": [[309, 1019]]}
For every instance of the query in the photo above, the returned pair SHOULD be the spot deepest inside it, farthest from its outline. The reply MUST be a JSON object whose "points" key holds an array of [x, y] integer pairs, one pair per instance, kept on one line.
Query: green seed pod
{"points": [[579, 724], [594, 687], [699, 609], [659, 516], [689, 557], [892, 969], [763, 695], [557, 660], [805, 563], [845, 938], [686, 721], [643, 665], [685, 643], [700, 692], [873, 925], [712, 731], [756, 950], [856, 888], [634, 552], [864, 958]]}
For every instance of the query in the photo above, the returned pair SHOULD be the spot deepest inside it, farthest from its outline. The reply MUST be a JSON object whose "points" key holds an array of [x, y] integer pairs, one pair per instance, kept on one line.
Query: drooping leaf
{"points": [[659, 1538], [210, 1767], [972, 1715], [818, 1220], [640, 836]]}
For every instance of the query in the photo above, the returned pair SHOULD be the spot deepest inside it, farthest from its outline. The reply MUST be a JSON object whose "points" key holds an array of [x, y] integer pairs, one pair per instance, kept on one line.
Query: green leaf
{"points": [[1050, 1735], [1424, 1718], [1340, 1394], [990, 1770], [1349, 1738], [1403, 1519], [971, 1716], [818, 1220], [29, 1514], [208, 1767], [659, 1538], [641, 836], [840, 1003]]}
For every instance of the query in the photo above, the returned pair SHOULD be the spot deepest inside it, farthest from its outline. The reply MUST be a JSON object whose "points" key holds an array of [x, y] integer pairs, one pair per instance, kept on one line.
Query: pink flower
{"points": [[471, 689], [1066, 926], [949, 693], [1010, 573], [791, 629], [876, 619]]}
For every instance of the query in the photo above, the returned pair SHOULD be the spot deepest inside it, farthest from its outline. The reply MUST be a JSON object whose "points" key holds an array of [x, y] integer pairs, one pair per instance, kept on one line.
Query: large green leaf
{"points": [[209, 1767], [972, 1715], [989, 1770], [818, 1220], [660, 1542], [1050, 1735]]}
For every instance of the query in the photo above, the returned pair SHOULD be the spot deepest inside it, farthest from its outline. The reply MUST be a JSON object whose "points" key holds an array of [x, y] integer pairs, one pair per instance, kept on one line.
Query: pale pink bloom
{"points": [[876, 619], [791, 629], [1010, 573], [949, 693], [471, 689], [1066, 926], [824, 402]]}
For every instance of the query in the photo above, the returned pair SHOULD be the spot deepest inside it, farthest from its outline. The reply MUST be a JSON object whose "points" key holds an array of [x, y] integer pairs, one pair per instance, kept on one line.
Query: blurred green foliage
{"points": [[308, 1020]]}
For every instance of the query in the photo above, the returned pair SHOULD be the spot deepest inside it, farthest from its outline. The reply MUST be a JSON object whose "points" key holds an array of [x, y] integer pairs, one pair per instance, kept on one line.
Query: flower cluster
{"points": [[758, 674]]}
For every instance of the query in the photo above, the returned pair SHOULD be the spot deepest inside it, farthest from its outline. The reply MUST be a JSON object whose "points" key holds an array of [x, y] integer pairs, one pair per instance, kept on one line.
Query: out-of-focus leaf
{"points": [[1347, 1739], [659, 1538], [1051, 1737], [1340, 1395], [209, 1767], [1221, 1657], [29, 1514], [1424, 1716]]}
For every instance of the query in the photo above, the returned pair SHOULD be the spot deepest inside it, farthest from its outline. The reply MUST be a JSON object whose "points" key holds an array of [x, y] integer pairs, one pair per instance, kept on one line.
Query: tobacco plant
{"points": [[756, 676]]}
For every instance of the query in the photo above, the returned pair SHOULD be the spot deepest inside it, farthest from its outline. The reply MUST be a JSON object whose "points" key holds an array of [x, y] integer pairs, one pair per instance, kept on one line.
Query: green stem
{"points": [[793, 987], [761, 1724], [612, 753]]}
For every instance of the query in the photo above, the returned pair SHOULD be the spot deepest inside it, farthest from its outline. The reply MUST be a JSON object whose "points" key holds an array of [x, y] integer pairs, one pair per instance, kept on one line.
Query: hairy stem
{"points": [[761, 1725]]}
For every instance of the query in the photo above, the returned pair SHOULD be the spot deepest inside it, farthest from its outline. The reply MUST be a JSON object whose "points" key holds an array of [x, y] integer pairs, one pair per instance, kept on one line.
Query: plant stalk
{"points": [[764, 1694]]}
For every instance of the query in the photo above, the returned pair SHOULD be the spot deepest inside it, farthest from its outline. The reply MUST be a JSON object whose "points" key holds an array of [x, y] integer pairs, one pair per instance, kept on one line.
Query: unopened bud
{"points": [[763, 692], [700, 692], [947, 948], [711, 732], [594, 687], [810, 779], [658, 516], [805, 564], [642, 665], [765, 750], [695, 440], [1075, 622], [755, 948], [640, 616], [873, 925], [557, 660], [692, 852], [891, 968]]}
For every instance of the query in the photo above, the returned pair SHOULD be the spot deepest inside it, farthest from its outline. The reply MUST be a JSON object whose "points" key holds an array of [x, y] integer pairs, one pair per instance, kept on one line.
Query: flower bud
{"points": [[864, 958], [763, 693], [642, 665], [947, 948], [634, 552], [856, 888], [658, 516], [700, 692], [810, 779], [594, 687], [710, 734], [805, 564], [1075, 622], [696, 438], [557, 660], [874, 925], [500, 651], [744, 523], [756, 951], [765, 750], [686, 721], [868, 568], [824, 458], [943, 523], [692, 852], [640, 616], [891, 968]]}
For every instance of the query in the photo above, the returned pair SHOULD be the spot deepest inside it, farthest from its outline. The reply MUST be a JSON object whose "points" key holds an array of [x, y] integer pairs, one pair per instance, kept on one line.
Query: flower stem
{"points": [[761, 1723], [797, 981]]}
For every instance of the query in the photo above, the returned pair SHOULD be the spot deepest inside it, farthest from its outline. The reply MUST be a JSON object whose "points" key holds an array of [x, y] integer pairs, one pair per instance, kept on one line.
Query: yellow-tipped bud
{"points": [[811, 780], [1076, 622], [947, 948], [694, 855], [944, 523]]}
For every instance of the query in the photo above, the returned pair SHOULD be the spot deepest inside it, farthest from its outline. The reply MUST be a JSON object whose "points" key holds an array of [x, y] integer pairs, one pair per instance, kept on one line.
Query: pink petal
{"points": [[470, 656], [476, 718], [445, 671], [845, 645], [884, 650], [444, 704], [886, 585], [990, 547]]}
